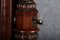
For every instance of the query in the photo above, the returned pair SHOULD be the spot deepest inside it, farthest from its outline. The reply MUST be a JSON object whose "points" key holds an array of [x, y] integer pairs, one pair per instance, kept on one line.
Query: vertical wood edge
{"points": [[6, 22]]}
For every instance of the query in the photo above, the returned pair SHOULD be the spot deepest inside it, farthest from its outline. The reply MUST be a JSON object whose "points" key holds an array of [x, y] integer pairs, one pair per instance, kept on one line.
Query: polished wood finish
{"points": [[0, 22], [26, 28], [24, 21], [6, 17]]}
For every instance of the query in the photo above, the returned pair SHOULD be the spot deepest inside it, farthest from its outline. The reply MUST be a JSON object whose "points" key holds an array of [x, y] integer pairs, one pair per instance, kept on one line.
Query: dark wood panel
{"points": [[6, 17], [0, 22]]}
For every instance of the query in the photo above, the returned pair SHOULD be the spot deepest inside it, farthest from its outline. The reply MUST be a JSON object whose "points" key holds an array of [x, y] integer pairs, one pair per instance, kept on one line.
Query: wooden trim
{"points": [[6, 19], [0, 22]]}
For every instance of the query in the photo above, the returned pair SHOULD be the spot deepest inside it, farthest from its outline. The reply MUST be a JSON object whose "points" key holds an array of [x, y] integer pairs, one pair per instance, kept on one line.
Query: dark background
{"points": [[49, 12]]}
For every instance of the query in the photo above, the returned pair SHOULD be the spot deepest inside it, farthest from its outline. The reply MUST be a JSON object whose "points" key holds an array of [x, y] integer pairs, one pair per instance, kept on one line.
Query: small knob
{"points": [[37, 21]]}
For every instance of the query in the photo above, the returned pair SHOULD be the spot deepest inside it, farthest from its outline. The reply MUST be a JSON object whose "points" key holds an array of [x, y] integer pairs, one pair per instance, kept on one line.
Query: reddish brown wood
{"points": [[0, 22], [24, 21], [6, 17]]}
